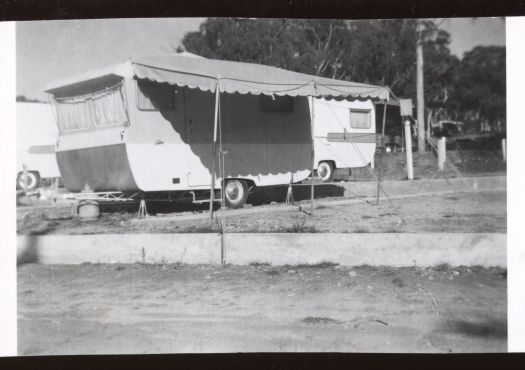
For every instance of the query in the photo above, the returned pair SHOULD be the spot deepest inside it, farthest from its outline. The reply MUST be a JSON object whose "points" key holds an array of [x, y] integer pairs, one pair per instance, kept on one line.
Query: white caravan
{"points": [[344, 135], [36, 136]]}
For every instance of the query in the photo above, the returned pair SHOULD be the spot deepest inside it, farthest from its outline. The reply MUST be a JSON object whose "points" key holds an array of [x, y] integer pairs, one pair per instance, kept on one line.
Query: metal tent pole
{"points": [[312, 157], [212, 187], [384, 121], [381, 152]]}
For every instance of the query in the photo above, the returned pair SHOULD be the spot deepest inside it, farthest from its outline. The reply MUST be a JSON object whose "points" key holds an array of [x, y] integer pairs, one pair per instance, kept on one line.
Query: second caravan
{"points": [[344, 135]]}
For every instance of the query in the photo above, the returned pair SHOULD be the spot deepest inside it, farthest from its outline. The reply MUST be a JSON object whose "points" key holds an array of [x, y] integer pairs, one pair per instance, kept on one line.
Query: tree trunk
{"points": [[420, 92]]}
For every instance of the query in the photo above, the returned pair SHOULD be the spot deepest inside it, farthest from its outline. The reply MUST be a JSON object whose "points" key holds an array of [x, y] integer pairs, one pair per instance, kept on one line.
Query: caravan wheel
{"points": [[325, 171], [235, 193], [32, 180]]}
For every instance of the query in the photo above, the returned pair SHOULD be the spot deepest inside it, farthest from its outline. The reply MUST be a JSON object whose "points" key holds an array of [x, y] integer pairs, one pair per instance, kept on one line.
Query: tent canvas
{"points": [[231, 77]]}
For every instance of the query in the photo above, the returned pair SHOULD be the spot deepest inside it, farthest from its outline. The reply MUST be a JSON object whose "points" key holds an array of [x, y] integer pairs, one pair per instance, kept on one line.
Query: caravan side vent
{"points": [[176, 180]]}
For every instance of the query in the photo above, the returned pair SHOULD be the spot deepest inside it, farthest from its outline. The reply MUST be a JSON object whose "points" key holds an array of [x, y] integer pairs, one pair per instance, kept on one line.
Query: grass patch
{"points": [[442, 267], [398, 282], [300, 227], [315, 320], [320, 265], [259, 264], [392, 230]]}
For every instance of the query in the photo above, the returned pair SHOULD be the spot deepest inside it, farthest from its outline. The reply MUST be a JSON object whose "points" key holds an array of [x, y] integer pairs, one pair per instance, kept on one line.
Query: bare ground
{"points": [[458, 212], [201, 308]]}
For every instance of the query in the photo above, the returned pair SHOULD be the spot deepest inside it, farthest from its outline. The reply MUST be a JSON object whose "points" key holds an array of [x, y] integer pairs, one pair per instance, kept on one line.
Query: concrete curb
{"points": [[119, 248], [375, 249]]}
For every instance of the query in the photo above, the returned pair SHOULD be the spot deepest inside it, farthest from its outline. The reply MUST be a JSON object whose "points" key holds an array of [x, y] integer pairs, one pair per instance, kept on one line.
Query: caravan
{"points": [[344, 135], [176, 124], [36, 135]]}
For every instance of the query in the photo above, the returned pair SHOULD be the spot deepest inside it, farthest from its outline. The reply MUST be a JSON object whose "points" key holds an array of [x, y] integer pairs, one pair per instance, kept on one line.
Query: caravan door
{"points": [[200, 114]]}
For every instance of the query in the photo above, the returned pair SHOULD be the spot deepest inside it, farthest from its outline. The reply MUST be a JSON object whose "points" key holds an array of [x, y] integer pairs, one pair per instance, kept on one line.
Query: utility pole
{"points": [[420, 89]]}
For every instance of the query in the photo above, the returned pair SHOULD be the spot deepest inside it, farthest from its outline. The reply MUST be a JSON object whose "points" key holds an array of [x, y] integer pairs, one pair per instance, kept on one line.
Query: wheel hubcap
{"points": [[323, 171], [27, 181], [232, 190]]}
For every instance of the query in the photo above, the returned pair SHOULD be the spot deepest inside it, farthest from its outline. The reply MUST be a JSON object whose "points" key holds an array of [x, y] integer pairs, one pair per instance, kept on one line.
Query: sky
{"points": [[466, 33], [49, 50]]}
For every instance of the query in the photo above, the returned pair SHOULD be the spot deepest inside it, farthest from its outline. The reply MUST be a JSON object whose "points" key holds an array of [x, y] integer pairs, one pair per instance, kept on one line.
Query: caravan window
{"points": [[360, 118], [276, 104], [155, 96], [100, 109]]}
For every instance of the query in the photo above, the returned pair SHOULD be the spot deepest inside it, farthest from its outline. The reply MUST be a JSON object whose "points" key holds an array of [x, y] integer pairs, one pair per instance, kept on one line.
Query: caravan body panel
{"points": [[36, 136], [170, 148], [344, 132]]}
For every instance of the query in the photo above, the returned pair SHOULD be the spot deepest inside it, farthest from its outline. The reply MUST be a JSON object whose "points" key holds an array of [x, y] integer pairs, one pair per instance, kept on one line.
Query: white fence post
{"points": [[442, 152], [408, 138], [504, 148]]}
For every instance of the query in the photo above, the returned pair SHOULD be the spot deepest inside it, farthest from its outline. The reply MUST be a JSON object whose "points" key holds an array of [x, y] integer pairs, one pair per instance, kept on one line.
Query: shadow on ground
{"points": [[300, 192], [263, 195], [489, 329]]}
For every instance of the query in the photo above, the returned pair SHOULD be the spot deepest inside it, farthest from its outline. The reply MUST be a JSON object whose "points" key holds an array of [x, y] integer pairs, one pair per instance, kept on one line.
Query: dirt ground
{"points": [[138, 308], [458, 212]]}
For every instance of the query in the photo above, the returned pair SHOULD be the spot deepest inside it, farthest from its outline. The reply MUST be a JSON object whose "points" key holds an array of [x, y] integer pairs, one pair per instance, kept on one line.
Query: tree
{"points": [[370, 51], [480, 93], [380, 52], [309, 46], [25, 99]]}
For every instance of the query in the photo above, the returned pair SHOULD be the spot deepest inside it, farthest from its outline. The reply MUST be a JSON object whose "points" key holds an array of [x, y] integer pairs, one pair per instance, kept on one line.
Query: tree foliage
{"points": [[380, 52], [480, 89]]}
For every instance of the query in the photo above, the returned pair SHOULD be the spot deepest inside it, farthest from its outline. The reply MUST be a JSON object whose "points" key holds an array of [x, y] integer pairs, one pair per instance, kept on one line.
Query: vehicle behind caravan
{"points": [[344, 135], [36, 135]]}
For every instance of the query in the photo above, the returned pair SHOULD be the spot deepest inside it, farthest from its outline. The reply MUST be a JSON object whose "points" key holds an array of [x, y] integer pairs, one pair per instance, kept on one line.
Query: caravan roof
{"points": [[231, 77]]}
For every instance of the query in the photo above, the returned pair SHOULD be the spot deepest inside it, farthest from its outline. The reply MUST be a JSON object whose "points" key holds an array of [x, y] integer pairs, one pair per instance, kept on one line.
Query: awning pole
{"points": [[384, 120], [212, 187], [381, 152], [313, 158]]}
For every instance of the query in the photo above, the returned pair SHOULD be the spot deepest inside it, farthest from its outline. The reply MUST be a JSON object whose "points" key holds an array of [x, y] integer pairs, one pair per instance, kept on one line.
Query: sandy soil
{"points": [[200, 308], [459, 212]]}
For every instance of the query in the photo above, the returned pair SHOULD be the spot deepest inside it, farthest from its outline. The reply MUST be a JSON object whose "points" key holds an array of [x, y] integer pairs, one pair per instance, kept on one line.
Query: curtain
{"points": [[99, 109]]}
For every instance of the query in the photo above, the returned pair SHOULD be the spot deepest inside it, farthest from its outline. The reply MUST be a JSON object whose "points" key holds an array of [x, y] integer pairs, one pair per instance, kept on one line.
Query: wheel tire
{"points": [[33, 180], [325, 171], [235, 193]]}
